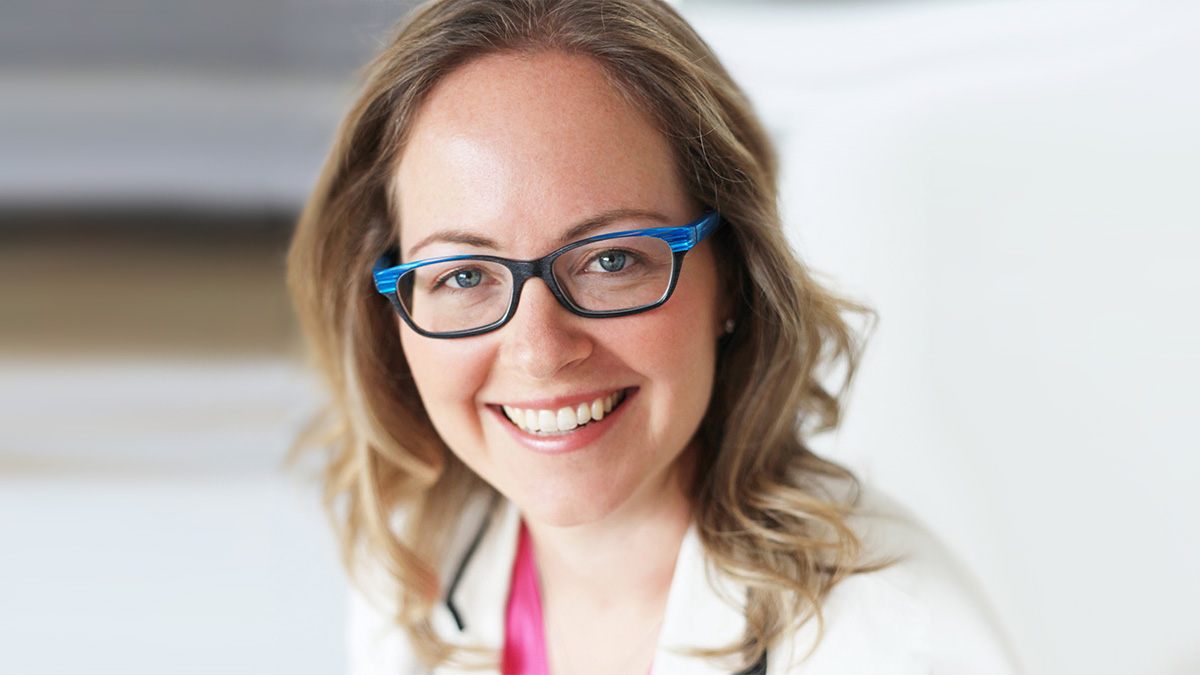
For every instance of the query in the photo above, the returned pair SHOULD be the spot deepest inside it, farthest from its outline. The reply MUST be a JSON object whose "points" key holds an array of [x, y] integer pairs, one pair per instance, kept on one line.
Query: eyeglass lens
{"points": [[610, 275]]}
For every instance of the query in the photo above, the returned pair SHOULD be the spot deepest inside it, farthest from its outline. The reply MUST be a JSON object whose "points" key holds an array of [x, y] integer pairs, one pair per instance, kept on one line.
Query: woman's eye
{"points": [[610, 261], [468, 277]]}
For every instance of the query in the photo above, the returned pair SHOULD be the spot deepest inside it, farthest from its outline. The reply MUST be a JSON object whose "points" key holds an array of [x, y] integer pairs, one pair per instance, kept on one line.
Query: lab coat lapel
{"points": [[704, 610], [473, 612]]}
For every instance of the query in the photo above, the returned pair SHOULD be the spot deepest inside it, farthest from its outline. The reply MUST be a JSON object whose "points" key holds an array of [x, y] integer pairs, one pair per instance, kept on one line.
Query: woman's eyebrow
{"points": [[577, 231], [600, 220], [453, 237]]}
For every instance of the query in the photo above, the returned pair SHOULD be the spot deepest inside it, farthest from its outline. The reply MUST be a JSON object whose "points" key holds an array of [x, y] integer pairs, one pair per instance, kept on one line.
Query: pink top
{"points": [[524, 632]]}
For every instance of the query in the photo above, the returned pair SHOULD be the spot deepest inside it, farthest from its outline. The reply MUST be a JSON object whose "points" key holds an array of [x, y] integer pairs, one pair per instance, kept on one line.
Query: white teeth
{"points": [[547, 421], [563, 419], [566, 419], [517, 416]]}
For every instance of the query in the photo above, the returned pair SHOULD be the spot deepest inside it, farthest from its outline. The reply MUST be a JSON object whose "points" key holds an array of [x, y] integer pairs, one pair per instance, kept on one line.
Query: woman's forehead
{"points": [[544, 141]]}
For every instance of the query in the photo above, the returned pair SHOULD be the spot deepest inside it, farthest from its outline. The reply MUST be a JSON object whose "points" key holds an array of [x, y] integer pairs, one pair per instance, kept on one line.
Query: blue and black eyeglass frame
{"points": [[681, 239]]}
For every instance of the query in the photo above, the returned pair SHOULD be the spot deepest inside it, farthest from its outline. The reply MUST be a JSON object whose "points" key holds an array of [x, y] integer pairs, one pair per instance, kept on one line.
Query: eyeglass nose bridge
{"points": [[524, 270]]}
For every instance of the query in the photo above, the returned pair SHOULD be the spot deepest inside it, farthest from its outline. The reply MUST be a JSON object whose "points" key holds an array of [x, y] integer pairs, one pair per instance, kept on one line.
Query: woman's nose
{"points": [[543, 338]]}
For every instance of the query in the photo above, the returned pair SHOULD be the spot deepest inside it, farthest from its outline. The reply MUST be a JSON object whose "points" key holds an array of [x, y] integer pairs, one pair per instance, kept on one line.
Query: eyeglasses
{"points": [[614, 274]]}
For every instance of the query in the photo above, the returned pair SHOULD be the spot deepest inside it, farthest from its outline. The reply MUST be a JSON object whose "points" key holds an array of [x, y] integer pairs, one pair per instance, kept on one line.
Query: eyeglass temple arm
{"points": [[706, 225], [385, 278]]}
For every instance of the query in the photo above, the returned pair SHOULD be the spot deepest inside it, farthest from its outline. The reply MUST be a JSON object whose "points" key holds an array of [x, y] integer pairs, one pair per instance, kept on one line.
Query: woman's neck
{"points": [[631, 550], [635, 555], [604, 585]]}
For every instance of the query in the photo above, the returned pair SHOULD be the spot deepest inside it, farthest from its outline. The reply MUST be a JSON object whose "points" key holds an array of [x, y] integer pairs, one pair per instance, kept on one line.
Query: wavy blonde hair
{"points": [[757, 500]]}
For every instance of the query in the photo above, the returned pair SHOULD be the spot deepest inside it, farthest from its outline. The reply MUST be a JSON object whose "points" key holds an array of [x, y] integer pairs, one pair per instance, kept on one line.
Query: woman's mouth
{"points": [[565, 419]]}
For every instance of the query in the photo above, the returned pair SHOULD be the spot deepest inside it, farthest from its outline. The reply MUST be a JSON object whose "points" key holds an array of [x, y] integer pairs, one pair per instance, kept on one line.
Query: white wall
{"points": [[147, 527], [1013, 186]]}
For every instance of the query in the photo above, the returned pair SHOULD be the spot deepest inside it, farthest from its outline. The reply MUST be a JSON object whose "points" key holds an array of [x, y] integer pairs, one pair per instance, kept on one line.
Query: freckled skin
{"points": [[519, 149]]}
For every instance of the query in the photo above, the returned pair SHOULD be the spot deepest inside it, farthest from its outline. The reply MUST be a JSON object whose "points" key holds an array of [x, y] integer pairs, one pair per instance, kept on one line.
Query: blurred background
{"points": [[1013, 185]]}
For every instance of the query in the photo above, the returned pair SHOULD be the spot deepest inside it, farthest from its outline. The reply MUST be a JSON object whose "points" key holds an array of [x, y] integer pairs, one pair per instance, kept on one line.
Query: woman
{"points": [[574, 367]]}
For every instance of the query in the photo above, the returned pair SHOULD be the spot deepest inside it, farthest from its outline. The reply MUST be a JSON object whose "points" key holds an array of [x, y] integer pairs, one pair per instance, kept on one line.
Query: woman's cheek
{"points": [[448, 375]]}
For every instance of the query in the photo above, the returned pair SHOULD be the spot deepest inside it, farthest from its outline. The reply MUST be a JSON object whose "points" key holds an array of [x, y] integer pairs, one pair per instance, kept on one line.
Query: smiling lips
{"points": [[566, 418]]}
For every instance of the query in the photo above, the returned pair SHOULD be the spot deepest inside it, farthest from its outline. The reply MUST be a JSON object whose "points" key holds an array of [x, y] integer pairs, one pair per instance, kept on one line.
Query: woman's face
{"points": [[506, 156]]}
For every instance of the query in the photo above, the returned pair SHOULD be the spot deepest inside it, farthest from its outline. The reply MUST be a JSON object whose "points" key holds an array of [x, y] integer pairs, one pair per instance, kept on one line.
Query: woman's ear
{"points": [[726, 321], [729, 291]]}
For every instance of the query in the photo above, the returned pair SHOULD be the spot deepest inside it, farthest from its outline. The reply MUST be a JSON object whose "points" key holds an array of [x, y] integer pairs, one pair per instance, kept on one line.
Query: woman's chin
{"points": [[613, 493], [569, 508]]}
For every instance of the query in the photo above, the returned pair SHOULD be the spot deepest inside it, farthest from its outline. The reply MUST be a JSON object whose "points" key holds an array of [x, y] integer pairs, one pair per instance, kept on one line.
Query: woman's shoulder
{"points": [[922, 612], [376, 644]]}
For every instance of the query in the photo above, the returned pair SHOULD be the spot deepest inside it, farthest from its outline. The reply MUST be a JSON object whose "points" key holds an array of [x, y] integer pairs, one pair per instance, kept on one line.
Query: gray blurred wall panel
{"points": [[161, 140], [148, 103], [306, 37]]}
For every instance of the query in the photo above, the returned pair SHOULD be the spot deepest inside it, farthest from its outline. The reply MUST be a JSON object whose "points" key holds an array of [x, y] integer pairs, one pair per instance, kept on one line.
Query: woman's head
{"points": [[516, 155], [624, 107]]}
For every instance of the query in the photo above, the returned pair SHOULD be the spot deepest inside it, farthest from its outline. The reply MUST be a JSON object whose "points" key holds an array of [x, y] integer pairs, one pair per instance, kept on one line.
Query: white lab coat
{"points": [[921, 616]]}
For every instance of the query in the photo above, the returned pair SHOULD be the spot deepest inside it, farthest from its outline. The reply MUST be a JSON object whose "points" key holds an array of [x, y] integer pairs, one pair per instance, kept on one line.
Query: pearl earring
{"points": [[730, 324]]}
